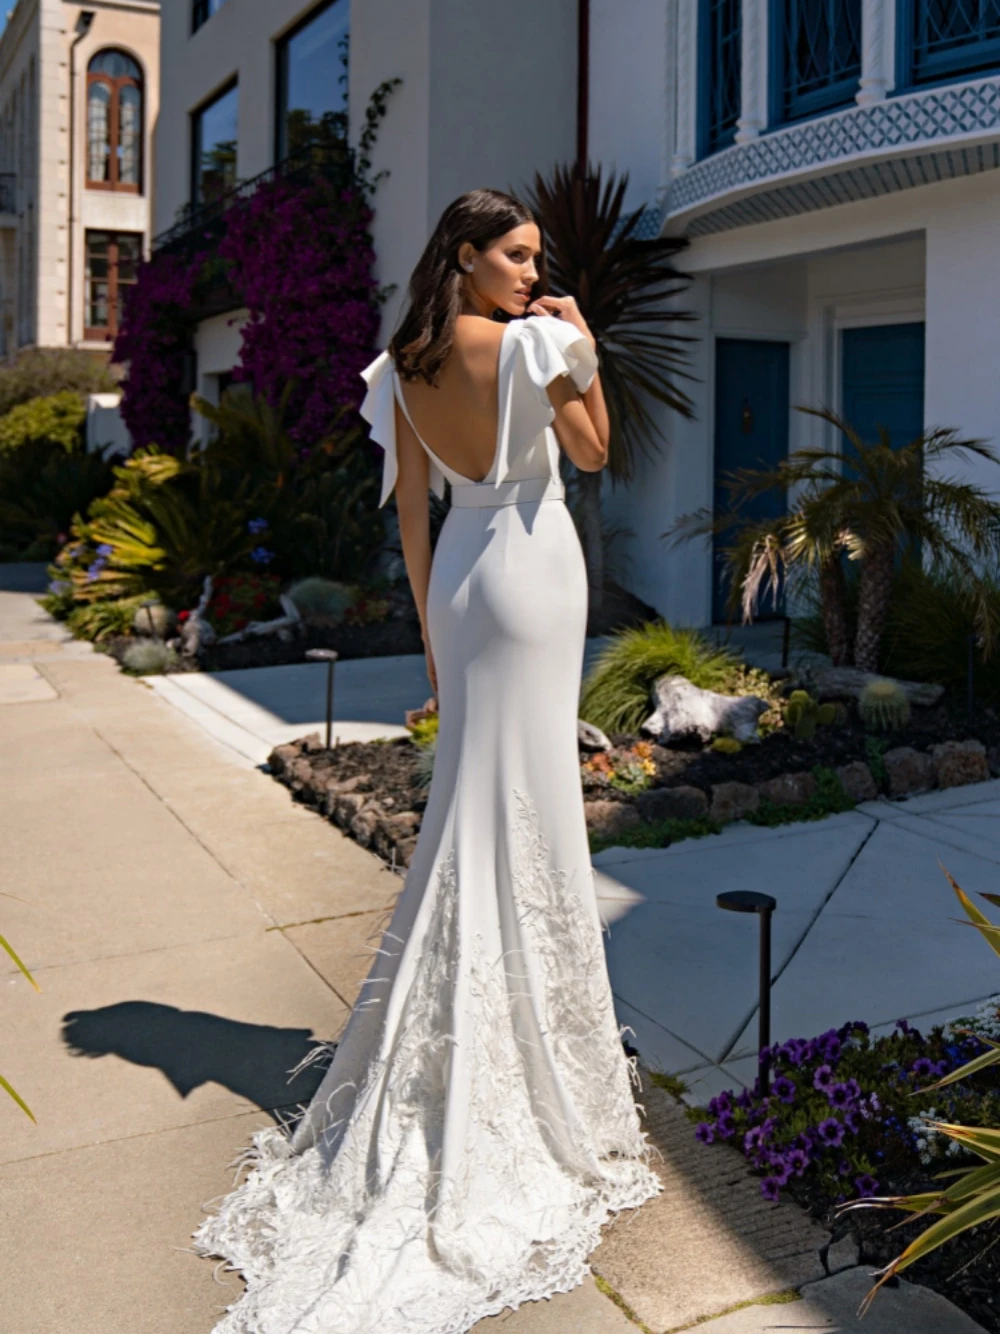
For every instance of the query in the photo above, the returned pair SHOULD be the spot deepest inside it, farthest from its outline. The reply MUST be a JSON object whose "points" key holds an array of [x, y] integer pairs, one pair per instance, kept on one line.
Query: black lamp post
{"points": [[747, 900], [329, 656]]}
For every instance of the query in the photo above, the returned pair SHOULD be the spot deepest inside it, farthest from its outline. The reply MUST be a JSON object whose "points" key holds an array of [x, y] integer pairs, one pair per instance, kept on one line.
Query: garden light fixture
{"points": [[329, 656], [747, 900]]}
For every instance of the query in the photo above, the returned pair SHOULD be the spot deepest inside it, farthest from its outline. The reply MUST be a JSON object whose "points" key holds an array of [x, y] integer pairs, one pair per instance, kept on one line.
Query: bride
{"points": [[476, 1125]]}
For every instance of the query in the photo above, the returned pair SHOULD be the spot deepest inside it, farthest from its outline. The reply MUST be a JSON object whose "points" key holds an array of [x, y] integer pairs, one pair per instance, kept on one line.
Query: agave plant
{"points": [[4, 1084], [627, 290], [870, 504], [973, 1197]]}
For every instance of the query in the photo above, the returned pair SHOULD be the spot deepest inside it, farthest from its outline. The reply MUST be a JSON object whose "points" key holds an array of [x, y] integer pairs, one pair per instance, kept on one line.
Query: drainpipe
{"points": [[582, 84], [84, 19]]}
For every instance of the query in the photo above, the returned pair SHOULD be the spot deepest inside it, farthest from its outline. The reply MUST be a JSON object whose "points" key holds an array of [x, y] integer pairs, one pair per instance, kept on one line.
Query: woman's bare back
{"points": [[458, 417]]}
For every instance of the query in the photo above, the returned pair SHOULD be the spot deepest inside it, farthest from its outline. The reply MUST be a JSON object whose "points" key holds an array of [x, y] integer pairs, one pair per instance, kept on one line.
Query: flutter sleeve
{"points": [[378, 408], [553, 347]]}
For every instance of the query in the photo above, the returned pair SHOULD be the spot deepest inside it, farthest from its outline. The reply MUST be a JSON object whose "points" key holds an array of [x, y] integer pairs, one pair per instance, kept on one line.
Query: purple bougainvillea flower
{"points": [[770, 1189], [704, 1133], [831, 1132], [866, 1184], [784, 1089], [823, 1079]]}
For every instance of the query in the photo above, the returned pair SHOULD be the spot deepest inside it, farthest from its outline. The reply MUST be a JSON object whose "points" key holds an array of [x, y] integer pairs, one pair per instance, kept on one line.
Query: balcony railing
{"points": [[819, 53], [8, 192], [721, 66], [332, 161], [953, 37]]}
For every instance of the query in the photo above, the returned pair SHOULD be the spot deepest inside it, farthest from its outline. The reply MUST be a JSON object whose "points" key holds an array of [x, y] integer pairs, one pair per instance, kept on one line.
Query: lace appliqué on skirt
{"points": [[494, 1134]]}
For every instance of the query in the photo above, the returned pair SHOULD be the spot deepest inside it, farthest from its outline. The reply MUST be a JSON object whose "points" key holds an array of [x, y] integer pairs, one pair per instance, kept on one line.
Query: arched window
{"points": [[114, 122]]}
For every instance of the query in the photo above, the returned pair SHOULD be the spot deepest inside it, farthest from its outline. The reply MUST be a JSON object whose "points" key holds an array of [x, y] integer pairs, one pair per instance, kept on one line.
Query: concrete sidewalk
{"points": [[192, 932]]}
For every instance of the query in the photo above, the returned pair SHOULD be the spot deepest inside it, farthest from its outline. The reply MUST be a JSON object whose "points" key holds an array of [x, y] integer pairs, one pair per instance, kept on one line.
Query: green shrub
{"points": [[98, 621], [41, 372], [148, 657], [42, 490], [56, 420], [829, 798], [322, 597], [616, 693]]}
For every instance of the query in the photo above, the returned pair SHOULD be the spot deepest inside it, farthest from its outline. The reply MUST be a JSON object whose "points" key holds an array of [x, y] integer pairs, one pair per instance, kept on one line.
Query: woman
{"points": [[477, 1125]]}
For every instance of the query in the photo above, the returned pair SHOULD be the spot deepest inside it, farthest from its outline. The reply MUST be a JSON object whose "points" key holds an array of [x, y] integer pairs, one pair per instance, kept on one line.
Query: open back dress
{"points": [[477, 1123]]}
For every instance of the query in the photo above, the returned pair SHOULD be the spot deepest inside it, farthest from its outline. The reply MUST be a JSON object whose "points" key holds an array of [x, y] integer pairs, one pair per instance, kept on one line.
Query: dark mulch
{"points": [[832, 746], [966, 1269], [386, 768]]}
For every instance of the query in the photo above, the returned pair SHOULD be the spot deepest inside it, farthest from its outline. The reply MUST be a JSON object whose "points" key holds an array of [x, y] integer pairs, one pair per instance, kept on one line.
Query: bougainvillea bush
{"points": [[846, 1114]]}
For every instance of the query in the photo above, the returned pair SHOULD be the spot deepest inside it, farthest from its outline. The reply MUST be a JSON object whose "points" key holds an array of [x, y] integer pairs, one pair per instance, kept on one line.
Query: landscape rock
{"points": [[365, 824], [957, 763], [857, 781], [848, 683], [312, 744], [683, 709], [281, 757], [672, 803], [590, 738], [788, 789], [404, 850], [608, 819], [403, 824], [346, 806], [733, 801], [908, 771], [331, 789], [164, 621]]}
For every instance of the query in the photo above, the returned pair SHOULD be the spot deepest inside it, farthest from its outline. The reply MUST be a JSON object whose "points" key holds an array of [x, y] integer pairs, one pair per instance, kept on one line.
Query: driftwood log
{"points": [[682, 709]]}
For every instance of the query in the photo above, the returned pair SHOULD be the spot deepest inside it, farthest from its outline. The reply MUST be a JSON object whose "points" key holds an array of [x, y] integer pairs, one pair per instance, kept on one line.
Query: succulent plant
{"points": [[323, 597], [883, 706], [149, 657], [726, 745], [803, 715], [424, 768]]}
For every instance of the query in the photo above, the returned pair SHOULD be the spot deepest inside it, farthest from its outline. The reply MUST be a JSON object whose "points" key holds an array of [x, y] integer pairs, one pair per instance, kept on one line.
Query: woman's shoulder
{"points": [[554, 347]]}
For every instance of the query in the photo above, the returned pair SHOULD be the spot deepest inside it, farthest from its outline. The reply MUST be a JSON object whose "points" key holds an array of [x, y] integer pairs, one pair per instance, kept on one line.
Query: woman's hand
{"points": [[431, 668], [564, 308]]}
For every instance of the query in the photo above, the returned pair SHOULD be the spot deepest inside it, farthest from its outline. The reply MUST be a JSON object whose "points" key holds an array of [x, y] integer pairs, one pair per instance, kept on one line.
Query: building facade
{"points": [[78, 102], [834, 165], [247, 82]]}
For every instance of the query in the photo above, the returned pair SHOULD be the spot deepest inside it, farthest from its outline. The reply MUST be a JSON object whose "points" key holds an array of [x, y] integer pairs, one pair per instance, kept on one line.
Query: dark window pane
{"points": [[312, 66], [822, 55], [723, 58], [116, 65], [98, 132], [129, 254], [954, 37], [215, 140]]}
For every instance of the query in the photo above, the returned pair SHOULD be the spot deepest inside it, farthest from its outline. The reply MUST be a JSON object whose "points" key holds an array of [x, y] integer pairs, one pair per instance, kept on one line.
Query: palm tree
{"points": [[869, 505], [626, 289]]}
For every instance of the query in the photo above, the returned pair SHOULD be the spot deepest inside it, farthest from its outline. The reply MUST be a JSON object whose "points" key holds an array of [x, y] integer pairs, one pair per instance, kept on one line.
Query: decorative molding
{"points": [[686, 84], [894, 130], [874, 82], [753, 108]]}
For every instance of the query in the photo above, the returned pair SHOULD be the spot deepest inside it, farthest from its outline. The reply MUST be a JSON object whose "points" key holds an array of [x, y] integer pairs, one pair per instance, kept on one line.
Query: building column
{"points": [[753, 84], [686, 85], [877, 46]]}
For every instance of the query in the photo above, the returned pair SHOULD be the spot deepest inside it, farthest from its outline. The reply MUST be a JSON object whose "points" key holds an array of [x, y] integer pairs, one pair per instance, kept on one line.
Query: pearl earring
{"points": [[467, 268]]}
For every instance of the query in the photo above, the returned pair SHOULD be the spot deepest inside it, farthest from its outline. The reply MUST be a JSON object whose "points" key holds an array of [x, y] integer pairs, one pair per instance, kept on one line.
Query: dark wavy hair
{"points": [[424, 336]]}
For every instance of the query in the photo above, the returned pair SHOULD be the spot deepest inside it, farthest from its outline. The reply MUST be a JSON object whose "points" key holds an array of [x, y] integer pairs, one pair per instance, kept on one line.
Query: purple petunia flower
{"points": [[823, 1078], [922, 1068], [852, 1120], [770, 1189], [797, 1161], [866, 1184], [903, 1026], [704, 1133], [784, 1089], [751, 1140], [744, 1100], [831, 1132], [725, 1126]]}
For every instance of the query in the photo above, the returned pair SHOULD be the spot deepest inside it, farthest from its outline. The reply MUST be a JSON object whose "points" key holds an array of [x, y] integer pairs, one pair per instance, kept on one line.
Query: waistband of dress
{"points": [[486, 495]]}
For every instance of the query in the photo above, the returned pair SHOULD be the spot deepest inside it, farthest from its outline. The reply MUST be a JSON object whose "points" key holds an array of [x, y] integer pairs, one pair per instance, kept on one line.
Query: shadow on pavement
{"points": [[193, 1048]]}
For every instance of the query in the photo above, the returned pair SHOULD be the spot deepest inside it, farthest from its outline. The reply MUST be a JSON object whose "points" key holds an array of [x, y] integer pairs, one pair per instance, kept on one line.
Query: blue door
{"points": [[751, 431], [882, 381]]}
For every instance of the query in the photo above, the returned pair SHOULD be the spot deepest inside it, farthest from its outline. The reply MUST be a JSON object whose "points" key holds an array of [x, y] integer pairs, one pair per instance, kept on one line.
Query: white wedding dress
{"points": [[477, 1124]]}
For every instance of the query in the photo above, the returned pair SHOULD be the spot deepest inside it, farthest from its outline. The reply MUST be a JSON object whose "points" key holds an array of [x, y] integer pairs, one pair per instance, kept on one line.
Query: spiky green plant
{"points": [[803, 715], [616, 691], [869, 503], [98, 621], [973, 1197], [883, 706], [314, 596], [627, 290], [148, 657]]}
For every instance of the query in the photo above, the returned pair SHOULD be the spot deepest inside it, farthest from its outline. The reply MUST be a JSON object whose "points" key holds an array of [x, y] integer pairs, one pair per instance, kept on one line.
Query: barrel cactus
{"points": [[327, 598], [803, 715], [883, 706]]}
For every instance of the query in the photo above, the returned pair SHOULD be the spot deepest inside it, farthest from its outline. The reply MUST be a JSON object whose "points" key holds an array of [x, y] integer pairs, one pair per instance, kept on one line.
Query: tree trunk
{"points": [[834, 603], [590, 536], [874, 596]]}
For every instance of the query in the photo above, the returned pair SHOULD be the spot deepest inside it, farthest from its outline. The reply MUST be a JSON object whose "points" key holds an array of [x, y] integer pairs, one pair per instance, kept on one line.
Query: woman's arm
{"points": [[413, 508], [581, 422]]}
